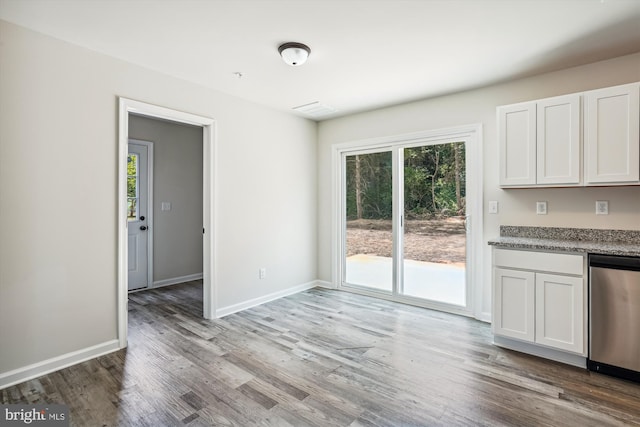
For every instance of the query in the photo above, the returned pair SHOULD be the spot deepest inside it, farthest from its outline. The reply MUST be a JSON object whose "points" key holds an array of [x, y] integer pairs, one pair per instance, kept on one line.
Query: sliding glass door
{"points": [[434, 238], [369, 214], [405, 228]]}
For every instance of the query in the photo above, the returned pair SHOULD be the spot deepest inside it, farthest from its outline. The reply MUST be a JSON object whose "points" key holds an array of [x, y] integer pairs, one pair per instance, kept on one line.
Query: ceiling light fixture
{"points": [[293, 53]]}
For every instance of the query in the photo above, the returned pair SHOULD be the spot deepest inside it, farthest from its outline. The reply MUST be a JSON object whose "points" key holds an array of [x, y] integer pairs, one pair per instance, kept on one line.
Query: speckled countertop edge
{"points": [[605, 242]]}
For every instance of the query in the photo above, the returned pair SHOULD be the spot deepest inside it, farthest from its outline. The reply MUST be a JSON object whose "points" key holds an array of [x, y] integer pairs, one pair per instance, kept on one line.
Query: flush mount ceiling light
{"points": [[293, 53]]}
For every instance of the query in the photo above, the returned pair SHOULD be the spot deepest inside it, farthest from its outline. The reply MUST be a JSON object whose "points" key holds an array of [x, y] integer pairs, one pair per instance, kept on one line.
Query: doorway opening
{"points": [[404, 210], [127, 107]]}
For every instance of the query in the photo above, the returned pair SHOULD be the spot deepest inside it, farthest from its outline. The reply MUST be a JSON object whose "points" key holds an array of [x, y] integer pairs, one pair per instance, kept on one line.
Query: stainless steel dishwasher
{"points": [[614, 316]]}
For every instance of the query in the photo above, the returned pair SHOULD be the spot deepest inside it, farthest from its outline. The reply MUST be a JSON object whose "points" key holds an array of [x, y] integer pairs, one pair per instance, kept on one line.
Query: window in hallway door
{"points": [[132, 186]]}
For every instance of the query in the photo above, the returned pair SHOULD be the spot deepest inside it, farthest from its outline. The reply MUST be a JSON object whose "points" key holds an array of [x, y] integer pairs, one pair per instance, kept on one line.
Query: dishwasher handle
{"points": [[615, 262]]}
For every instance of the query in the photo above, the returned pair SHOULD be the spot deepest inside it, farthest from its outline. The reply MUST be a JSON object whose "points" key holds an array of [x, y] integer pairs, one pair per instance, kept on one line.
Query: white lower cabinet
{"points": [[514, 301], [559, 312], [540, 298]]}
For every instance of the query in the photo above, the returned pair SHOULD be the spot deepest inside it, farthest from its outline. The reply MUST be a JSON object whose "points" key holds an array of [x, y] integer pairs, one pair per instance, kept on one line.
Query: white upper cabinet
{"points": [[517, 139], [612, 139], [540, 142], [558, 141]]}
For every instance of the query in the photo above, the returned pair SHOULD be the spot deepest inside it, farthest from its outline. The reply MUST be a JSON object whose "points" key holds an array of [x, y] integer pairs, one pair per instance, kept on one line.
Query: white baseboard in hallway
{"points": [[225, 311], [176, 280]]}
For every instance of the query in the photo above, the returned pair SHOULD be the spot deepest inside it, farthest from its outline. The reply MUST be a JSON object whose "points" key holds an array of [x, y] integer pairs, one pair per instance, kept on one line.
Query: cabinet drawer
{"points": [[539, 261]]}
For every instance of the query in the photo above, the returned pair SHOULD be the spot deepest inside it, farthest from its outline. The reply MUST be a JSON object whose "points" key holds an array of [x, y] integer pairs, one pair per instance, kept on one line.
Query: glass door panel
{"points": [[369, 226], [434, 239]]}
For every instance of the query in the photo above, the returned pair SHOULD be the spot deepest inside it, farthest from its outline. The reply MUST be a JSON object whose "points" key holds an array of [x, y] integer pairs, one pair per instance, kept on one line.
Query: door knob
{"points": [[143, 227]]}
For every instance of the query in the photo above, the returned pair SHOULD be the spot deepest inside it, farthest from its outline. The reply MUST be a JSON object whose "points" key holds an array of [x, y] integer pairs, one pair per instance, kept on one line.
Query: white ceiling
{"points": [[365, 54]]}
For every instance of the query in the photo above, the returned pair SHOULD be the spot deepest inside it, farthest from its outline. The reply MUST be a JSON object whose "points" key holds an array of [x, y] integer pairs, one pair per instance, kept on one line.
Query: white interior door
{"points": [[138, 215]]}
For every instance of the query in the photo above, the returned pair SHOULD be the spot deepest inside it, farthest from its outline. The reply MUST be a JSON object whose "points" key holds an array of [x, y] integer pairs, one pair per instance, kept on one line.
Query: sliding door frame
{"points": [[471, 135]]}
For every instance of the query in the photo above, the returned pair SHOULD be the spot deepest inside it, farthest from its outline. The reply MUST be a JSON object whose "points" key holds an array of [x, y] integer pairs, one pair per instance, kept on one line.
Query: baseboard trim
{"points": [[225, 311], [325, 284], [26, 373], [485, 316], [176, 280]]}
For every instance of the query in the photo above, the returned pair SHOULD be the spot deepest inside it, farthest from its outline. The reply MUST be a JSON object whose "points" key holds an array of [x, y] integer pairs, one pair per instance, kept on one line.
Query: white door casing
{"points": [[139, 227], [126, 107]]}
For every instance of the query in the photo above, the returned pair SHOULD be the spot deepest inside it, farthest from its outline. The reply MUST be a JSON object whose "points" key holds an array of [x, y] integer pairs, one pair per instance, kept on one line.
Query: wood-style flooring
{"points": [[321, 358]]}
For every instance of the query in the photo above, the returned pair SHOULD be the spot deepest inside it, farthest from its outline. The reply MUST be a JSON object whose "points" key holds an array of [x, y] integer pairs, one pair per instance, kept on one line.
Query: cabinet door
{"points": [[560, 312], [612, 135], [559, 157], [517, 140], [513, 314]]}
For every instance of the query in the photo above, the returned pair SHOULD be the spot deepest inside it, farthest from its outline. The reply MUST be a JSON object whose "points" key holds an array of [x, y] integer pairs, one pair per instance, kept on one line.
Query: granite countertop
{"points": [[581, 240]]}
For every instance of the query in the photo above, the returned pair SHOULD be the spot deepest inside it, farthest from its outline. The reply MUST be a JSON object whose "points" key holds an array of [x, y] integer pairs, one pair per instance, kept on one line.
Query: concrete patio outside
{"points": [[444, 283]]}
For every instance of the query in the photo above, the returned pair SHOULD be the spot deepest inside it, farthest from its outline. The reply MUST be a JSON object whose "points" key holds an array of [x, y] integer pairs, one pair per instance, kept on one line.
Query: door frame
{"points": [[209, 169], [472, 136], [149, 215]]}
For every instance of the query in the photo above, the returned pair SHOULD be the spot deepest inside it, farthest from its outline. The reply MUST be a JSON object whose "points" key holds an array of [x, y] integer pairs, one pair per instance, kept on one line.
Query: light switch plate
{"points": [[541, 208], [602, 207], [493, 207]]}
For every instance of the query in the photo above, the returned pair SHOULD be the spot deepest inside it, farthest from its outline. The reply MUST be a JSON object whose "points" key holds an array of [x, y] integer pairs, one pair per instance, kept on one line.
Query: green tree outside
{"points": [[434, 183]]}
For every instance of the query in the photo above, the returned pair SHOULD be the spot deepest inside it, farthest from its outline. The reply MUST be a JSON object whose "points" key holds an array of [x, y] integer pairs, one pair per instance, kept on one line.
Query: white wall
{"points": [[568, 207], [58, 193], [177, 176]]}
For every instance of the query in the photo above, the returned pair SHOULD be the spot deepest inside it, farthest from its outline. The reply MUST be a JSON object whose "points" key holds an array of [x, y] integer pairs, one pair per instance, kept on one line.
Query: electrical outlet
{"points": [[493, 207], [541, 208], [602, 207], [262, 273]]}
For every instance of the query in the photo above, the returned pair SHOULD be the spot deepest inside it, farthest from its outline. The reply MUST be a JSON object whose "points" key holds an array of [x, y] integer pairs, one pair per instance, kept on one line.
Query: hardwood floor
{"points": [[321, 358]]}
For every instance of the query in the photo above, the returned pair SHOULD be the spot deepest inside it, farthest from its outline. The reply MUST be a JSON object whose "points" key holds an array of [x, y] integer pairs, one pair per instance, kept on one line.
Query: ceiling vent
{"points": [[315, 110]]}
